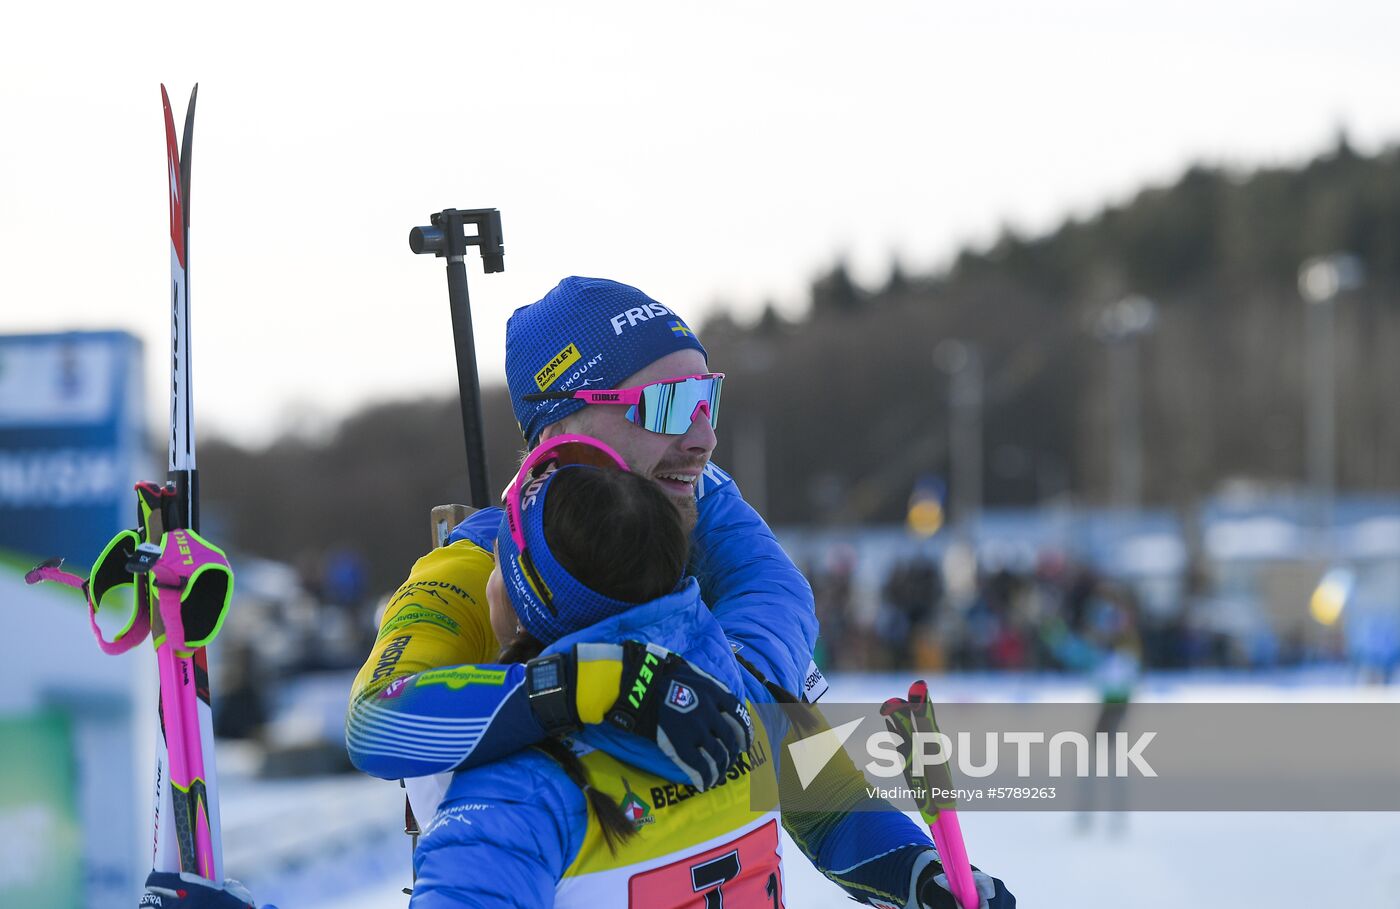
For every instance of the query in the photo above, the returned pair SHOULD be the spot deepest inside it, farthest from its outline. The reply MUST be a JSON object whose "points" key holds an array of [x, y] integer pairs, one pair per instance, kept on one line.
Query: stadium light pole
{"points": [[1121, 326], [751, 445], [962, 362], [1320, 280]]}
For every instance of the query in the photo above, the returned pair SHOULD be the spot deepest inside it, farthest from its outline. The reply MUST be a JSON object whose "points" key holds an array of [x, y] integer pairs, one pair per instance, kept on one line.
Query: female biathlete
{"points": [[595, 557]]}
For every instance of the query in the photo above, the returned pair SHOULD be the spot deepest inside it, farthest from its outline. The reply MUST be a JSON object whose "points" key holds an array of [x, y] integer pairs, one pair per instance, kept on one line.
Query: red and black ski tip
{"points": [[187, 158], [177, 183]]}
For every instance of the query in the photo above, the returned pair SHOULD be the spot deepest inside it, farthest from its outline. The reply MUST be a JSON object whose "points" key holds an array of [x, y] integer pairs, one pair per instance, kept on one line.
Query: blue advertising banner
{"points": [[71, 434], [72, 442]]}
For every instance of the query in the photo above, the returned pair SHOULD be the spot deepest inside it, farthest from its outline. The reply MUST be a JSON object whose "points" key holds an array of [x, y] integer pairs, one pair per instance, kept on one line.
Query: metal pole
{"points": [[1127, 474], [969, 391], [447, 239], [1322, 415], [751, 461], [1121, 327], [468, 381], [755, 358], [1320, 280], [963, 363]]}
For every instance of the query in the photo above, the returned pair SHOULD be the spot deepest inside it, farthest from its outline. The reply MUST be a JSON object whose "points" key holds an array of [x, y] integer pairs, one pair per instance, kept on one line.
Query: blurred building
{"points": [[74, 796]]}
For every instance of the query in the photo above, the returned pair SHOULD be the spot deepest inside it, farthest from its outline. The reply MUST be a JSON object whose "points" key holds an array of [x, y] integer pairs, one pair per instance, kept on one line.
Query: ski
{"points": [[163, 580], [186, 816]]}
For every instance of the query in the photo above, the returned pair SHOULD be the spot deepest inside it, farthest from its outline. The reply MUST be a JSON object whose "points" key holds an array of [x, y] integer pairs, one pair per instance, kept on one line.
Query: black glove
{"points": [[934, 893], [693, 717], [169, 890]]}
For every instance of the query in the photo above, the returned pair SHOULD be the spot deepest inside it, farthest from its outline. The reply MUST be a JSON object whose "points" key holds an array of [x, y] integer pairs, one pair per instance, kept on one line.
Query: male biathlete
{"points": [[596, 358], [423, 703]]}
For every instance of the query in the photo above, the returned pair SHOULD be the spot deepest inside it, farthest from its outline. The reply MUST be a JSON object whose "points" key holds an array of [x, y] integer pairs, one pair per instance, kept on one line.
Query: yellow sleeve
{"points": [[438, 617], [596, 691]]}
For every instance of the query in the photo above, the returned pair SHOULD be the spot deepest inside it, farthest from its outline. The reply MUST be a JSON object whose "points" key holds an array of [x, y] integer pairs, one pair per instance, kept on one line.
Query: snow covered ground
{"points": [[335, 841]]}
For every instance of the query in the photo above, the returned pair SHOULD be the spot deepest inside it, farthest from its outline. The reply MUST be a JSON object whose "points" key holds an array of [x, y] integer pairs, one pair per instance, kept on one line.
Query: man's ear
{"points": [[569, 424]]}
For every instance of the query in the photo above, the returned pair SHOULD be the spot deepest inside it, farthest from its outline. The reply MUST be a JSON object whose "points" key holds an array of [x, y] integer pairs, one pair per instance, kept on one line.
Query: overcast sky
{"points": [[703, 152]]}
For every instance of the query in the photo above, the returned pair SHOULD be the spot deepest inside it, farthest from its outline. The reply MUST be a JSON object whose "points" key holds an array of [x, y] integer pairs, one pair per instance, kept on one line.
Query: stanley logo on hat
{"points": [[607, 329]]}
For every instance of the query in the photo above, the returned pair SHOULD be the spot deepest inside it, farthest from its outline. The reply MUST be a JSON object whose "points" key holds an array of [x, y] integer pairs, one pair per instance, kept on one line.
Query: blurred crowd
{"points": [[290, 623], [950, 612], [944, 609]]}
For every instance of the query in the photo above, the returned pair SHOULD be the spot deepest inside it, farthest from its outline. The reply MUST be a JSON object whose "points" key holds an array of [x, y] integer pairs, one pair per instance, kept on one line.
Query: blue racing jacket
{"points": [[518, 832]]}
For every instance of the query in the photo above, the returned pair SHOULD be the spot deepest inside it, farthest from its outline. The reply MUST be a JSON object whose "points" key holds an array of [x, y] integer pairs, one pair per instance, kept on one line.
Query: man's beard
{"points": [[690, 513]]}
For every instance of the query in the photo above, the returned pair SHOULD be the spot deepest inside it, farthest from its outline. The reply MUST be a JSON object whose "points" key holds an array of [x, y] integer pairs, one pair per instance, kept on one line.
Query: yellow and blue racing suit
{"points": [[518, 832]]}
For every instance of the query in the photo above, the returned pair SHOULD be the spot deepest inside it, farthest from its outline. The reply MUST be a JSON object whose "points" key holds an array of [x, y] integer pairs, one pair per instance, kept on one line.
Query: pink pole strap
{"points": [[52, 570]]}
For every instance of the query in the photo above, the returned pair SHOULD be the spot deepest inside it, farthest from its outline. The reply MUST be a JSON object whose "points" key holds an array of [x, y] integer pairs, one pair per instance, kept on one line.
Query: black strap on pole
{"points": [[447, 238]]}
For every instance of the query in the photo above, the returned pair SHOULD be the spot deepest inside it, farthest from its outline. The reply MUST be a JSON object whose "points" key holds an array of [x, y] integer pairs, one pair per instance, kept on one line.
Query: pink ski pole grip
{"points": [[200, 573]]}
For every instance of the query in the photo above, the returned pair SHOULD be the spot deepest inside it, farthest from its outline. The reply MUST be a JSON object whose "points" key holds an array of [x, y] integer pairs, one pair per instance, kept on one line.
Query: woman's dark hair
{"points": [[616, 826], [616, 532], [619, 534]]}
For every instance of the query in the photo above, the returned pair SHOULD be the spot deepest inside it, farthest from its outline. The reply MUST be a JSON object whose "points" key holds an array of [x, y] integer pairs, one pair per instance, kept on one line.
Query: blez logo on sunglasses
{"points": [[638, 314]]}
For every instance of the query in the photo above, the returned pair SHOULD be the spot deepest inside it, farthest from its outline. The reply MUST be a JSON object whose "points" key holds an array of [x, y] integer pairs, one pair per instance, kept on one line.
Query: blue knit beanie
{"points": [[585, 333]]}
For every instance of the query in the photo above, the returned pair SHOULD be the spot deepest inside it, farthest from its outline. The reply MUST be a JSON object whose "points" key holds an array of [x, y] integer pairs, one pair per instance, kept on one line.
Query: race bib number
{"points": [[745, 873]]}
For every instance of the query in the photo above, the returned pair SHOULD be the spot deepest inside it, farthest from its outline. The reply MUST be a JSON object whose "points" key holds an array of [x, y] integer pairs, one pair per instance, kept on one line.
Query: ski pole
{"points": [[906, 719], [447, 238]]}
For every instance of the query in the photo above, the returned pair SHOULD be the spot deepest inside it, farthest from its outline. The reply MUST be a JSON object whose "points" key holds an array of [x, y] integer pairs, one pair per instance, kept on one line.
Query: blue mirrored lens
{"points": [[668, 407]]}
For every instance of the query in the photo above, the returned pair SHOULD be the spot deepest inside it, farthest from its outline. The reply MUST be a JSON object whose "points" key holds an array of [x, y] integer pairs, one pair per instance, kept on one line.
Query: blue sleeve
{"points": [[445, 717], [871, 854], [441, 719], [502, 838], [480, 527], [863, 844], [755, 591]]}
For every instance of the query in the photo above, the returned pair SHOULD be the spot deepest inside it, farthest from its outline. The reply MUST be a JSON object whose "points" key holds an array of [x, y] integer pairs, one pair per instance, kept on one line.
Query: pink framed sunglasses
{"points": [[668, 406], [547, 457]]}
